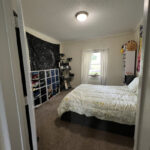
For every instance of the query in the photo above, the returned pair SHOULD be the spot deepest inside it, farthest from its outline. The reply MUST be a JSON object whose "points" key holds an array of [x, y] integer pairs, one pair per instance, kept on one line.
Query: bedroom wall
{"points": [[115, 66]]}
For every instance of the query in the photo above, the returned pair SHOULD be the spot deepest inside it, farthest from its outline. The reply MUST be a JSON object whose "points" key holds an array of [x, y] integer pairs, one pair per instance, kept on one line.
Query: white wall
{"points": [[115, 66]]}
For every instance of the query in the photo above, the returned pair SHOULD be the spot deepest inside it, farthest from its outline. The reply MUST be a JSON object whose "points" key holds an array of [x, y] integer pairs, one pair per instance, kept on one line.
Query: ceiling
{"points": [[56, 18]]}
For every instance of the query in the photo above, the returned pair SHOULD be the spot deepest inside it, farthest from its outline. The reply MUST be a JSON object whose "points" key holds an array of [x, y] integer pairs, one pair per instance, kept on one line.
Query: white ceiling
{"points": [[56, 18]]}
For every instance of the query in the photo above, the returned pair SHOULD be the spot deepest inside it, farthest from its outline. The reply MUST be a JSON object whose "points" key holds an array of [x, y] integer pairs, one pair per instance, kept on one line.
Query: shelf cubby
{"points": [[45, 84]]}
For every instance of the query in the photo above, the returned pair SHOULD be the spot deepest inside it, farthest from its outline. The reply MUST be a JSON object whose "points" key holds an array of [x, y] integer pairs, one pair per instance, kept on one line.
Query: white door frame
{"points": [[10, 76], [144, 72], [26, 61]]}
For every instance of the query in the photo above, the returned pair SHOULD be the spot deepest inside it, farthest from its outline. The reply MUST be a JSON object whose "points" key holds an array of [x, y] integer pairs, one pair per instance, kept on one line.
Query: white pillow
{"points": [[133, 86]]}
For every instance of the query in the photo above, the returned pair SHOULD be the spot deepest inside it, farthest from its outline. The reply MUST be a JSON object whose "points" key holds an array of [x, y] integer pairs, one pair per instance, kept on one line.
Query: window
{"points": [[94, 69]]}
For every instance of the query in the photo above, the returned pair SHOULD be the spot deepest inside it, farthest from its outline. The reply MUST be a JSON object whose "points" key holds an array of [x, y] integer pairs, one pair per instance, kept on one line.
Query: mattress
{"points": [[111, 103]]}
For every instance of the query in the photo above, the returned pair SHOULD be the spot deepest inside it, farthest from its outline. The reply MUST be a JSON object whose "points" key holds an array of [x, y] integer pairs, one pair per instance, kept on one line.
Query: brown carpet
{"points": [[55, 134]]}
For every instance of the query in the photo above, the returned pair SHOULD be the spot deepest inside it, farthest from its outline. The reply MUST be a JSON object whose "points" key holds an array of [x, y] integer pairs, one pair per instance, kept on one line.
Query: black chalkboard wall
{"points": [[43, 55]]}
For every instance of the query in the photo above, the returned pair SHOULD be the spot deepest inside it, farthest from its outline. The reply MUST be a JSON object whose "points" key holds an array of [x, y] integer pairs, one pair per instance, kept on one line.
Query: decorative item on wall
{"points": [[140, 48], [131, 46], [129, 51], [43, 55], [65, 75]]}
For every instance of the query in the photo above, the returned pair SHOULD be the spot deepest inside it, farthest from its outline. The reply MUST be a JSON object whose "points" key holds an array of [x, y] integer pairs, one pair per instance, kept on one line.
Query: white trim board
{"points": [[41, 35], [25, 53], [142, 130]]}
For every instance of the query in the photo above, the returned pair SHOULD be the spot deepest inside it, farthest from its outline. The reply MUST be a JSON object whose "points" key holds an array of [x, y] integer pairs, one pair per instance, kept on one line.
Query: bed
{"points": [[109, 103]]}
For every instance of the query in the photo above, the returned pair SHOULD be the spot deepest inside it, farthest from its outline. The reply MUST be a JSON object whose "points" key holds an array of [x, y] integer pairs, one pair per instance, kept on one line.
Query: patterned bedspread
{"points": [[112, 103]]}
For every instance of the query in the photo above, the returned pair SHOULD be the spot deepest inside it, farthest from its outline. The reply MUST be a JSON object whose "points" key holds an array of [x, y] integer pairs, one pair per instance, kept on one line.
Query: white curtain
{"points": [[86, 60], [104, 66]]}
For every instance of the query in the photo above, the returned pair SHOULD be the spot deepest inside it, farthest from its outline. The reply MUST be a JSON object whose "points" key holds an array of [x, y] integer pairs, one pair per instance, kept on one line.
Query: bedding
{"points": [[111, 103], [133, 86]]}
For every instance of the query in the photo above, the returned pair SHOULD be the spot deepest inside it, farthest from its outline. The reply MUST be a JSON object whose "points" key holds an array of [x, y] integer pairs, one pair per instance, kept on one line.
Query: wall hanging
{"points": [[140, 48], [43, 55], [129, 51]]}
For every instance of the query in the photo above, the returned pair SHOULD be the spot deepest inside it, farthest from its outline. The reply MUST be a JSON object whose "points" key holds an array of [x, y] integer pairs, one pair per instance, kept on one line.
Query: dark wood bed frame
{"points": [[125, 130]]}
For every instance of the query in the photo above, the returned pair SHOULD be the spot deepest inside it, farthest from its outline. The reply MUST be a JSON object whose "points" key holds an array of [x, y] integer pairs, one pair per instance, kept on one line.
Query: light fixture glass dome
{"points": [[81, 16]]}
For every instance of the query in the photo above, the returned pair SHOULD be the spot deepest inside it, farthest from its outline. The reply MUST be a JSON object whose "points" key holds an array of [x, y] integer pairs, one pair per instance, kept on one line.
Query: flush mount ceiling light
{"points": [[81, 16]]}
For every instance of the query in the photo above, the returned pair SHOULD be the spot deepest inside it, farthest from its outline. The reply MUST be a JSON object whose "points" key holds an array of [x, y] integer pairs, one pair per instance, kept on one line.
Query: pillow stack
{"points": [[133, 86]]}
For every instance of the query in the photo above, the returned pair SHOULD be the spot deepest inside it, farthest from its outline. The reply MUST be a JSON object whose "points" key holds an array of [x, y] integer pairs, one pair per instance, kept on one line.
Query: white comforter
{"points": [[113, 103]]}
